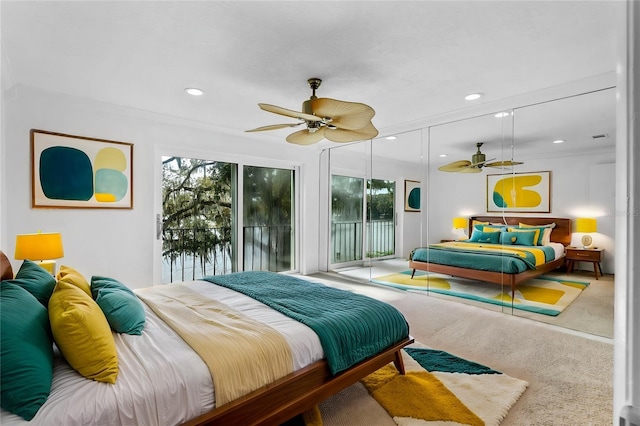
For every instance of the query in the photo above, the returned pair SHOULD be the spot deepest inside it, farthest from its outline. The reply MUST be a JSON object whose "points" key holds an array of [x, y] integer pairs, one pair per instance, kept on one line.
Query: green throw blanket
{"points": [[351, 327]]}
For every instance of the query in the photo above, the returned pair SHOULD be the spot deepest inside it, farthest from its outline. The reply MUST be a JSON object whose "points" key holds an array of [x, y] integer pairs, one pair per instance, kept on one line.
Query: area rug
{"points": [[441, 388], [542, 295]]}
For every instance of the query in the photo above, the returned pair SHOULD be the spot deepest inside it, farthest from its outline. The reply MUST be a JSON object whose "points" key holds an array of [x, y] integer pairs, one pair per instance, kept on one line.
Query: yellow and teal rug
{"points": [[542, 295], [440, 388]]}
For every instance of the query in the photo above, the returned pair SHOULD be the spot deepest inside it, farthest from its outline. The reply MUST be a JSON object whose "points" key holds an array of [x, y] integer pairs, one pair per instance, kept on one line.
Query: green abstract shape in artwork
{"points": [[413, 200], [66, 174]]}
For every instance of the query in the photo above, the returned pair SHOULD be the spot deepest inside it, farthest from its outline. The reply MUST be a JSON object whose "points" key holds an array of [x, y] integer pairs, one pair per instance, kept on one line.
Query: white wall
{"points": [[120, 243]]}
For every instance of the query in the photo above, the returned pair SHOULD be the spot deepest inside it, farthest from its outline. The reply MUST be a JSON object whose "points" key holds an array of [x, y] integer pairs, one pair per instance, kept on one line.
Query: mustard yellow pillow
{"points": [[82, 333], [492, 228], [71, 276]]}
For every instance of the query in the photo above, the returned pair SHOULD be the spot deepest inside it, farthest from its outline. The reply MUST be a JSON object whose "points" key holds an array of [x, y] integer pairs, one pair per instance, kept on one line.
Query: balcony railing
{"points": [[267, 248], [346, 240], [192, 253]]}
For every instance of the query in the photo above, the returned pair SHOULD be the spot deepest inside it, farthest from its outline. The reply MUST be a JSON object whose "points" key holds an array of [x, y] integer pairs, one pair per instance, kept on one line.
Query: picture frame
{"points": [[519, 192], [412, 196], [69, 171]]}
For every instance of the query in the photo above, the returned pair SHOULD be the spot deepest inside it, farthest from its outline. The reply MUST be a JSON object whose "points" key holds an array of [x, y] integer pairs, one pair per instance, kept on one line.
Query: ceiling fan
{"points": [[478, 161], [337, 121]]}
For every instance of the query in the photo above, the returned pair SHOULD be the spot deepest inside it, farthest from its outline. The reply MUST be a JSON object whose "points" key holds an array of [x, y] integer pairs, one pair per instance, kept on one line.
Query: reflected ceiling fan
{"points": [[478, 161], [337, 121]]}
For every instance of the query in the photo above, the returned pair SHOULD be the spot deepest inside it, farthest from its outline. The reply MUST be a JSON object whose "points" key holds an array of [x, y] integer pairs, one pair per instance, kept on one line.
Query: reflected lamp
{"points": [[459, 225], [40, 248], [586, 225]]}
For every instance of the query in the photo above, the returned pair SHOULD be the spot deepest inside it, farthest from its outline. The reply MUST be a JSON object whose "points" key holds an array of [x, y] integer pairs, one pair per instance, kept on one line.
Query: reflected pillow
{"points": [[489, 228], [82, 333], [485, 237], [26, 349], [120, 305], [70, 275], [546, 236], [539, 239], [36, 280], [521, 238]]}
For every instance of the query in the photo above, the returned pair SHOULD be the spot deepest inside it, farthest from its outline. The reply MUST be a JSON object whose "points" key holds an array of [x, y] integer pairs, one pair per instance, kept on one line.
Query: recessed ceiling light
{"points": [[501, 114], [559, 141], [194, 91], [391, 138], [443, 155], [473, 96]]}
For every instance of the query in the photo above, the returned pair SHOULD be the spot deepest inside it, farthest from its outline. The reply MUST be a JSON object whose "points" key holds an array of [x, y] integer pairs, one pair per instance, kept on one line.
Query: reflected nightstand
{"points": [[593, 255]]}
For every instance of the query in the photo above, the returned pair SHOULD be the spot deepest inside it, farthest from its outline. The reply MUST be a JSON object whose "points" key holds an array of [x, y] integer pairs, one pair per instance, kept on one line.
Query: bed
{"points": [[508, 270], [162, 380]]}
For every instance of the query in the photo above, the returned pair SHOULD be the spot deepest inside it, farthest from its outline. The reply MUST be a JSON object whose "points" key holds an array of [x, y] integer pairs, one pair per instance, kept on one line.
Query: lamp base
{"points": [[48, 265]]}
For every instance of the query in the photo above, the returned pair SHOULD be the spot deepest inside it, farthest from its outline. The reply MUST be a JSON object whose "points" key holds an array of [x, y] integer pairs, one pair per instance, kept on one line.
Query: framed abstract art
{"points": [[519, 192], [80, 172]]}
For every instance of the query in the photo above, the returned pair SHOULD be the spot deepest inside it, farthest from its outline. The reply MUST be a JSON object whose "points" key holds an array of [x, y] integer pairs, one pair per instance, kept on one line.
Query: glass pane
{"points": [[197, 206], [347, 198], [381, 210], [268, 219]]}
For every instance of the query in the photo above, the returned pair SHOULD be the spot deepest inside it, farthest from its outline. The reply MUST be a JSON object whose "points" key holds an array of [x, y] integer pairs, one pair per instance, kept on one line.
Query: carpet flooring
{"points": [[569, 373]]}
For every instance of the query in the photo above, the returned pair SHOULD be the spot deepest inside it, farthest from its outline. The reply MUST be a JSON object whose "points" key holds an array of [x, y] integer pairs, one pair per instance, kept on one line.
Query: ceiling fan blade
{"points": [[305, 137], [507, 163], [273, 127], [289, 112], [456, 166], [345, 115], [343, 135], [470, 169]]}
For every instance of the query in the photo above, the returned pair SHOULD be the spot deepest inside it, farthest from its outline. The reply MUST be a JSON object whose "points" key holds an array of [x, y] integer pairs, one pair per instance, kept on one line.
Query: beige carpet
{"points": [[569, 374]]}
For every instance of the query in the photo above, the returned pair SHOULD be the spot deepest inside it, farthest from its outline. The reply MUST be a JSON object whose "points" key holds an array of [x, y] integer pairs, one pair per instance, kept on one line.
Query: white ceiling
{"points": [[409, 60]]}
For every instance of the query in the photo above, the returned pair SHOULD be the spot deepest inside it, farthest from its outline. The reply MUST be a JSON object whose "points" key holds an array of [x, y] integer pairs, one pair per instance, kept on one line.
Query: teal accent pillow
{"points": [[26, 350], [35, 280], [518, 238], [540, 239], [121, 307], [485, 237]]}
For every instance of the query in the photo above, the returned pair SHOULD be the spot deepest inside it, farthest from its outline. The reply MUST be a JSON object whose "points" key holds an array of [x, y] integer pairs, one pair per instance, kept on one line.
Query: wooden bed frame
{"points": [[561, 233], [289, 396], [297, 392]]}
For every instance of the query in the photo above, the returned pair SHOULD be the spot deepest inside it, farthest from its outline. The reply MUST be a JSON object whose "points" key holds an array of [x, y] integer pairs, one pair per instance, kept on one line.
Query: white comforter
{"points": [[161, 380]]}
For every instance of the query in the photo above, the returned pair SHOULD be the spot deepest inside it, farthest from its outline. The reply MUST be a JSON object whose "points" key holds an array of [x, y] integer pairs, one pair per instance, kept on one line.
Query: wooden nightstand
{"points": [[575, 254]]}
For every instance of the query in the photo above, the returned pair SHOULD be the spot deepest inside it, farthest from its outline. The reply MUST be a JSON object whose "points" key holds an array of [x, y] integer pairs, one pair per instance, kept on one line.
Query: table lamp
{"points": [[41, 248], [460, 223], [586, 225]]}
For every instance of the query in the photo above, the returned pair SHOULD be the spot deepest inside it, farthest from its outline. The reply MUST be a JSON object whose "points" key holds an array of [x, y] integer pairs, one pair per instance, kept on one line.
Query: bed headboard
{"points": [[561, 233], [6, 273]]}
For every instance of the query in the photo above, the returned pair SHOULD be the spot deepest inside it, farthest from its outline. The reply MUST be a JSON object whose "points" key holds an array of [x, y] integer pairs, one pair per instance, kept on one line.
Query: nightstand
{"points": [[593, 255]]}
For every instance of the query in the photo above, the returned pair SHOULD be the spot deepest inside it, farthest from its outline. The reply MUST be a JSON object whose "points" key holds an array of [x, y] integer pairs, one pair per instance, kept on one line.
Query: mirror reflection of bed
{"points": [[582, 184]]}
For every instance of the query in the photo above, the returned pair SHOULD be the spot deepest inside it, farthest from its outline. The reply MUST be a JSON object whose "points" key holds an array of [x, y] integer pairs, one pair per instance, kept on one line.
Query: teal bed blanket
{"points": [[351, 327], [484, 258]]}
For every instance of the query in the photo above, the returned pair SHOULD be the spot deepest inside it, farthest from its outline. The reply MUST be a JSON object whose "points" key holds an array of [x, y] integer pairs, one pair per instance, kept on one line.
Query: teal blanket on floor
{"points": [[351, 327]]}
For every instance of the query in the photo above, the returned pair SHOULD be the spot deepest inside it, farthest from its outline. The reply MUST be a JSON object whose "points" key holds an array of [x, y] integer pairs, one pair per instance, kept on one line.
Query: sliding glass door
{"points": [[268, 204], [203, 233]]}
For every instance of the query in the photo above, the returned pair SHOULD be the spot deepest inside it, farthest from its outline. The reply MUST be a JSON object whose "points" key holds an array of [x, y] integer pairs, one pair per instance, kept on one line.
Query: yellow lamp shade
{"points": [[586, 224], [459, 222], [40, 246]]}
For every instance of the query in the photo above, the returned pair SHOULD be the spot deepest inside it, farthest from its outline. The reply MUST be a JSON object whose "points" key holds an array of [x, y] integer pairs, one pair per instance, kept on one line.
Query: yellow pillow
{"points": [[492, 228], [535, 236], [82, 333], [71, 276]]}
